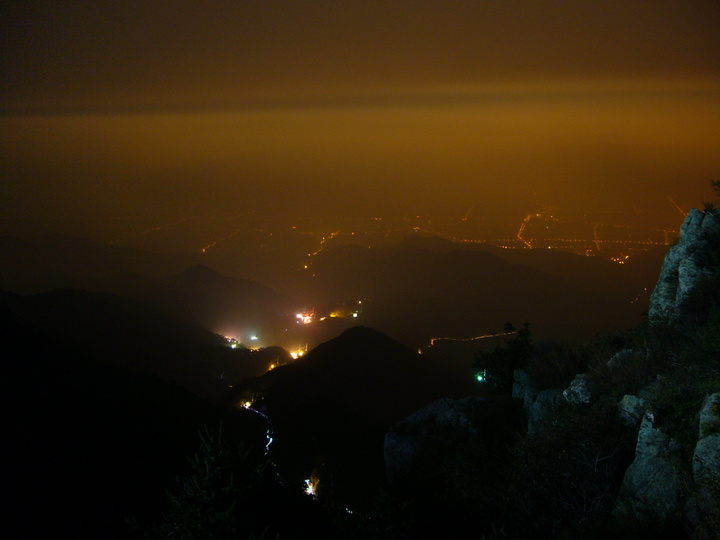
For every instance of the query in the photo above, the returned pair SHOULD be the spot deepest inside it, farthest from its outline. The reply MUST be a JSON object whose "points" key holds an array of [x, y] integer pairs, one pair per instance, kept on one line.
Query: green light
{"points": [[481, 375]]}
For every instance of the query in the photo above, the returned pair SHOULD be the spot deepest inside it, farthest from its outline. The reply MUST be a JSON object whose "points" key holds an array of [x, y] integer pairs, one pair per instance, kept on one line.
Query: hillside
{"points": [[176, 283], [621, 434], [120, 332], [54, 261], [425, 288], [331, 408], [89, 446], [414, 290]]}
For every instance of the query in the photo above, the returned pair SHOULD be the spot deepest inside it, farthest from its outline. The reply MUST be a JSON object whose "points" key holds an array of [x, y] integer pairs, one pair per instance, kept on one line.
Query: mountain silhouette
{"points": [[53, 261], [120, 332], [90, 445], [172, 282], [426, 288], [332, 407]]}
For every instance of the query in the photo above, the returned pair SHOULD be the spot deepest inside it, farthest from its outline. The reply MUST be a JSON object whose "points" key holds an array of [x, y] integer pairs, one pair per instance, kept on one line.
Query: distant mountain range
{"points": [[424, 288], [418, 289], [174, 283], [53, 261], [93, 329], [121, 332]]}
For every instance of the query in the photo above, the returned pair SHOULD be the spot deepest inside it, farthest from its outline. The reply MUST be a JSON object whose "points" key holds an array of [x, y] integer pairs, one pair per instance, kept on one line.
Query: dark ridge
{"points": [[88, 446], [362, 369], [332, 408], [121, 332], [52, 261]]}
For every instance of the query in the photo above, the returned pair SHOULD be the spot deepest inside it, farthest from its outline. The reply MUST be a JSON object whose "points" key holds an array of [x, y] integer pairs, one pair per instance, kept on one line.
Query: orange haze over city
{"points": [[120, 116]]}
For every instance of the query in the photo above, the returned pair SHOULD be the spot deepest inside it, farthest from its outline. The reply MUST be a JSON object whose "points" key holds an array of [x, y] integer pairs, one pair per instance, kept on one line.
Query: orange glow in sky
{"points": [[337, 107]]}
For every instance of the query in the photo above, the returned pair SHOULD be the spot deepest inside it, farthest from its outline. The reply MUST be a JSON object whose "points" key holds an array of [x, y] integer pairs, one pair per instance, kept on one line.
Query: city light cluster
{"points": [[306, 317]]}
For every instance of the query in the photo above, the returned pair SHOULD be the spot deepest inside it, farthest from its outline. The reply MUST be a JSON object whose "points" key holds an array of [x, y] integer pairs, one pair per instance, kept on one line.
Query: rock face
{"points": [[544, 408], [704, 507], [654, 482], [632, 409], [579, 391], [662, 489], [685, 287]]}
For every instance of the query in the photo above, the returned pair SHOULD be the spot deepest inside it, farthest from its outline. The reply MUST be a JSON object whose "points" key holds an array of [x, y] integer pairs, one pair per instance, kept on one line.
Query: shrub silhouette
{"points": [[216, 499], [496, 367]]}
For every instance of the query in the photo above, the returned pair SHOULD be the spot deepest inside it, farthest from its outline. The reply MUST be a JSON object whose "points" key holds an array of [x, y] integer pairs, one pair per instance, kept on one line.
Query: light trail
{"points": [[522, 229], [581, 240], [595, 234], [223, 239], [503, 242], [269, 433], [475, 338], [322, 246], [322, 242], [676, 206]]}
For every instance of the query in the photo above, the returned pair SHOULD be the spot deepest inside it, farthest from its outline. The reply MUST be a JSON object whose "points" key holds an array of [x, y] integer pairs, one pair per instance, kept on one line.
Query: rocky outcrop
{"points": [[654, 482], [703, 509], [579, 392], [662, 490], [539, 406], [632, 409], [544, 408], [660, 486], [689, 272]]}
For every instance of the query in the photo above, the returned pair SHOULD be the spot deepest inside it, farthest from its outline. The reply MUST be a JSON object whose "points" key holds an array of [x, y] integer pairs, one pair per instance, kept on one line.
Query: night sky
{"points": [[121, 115]]}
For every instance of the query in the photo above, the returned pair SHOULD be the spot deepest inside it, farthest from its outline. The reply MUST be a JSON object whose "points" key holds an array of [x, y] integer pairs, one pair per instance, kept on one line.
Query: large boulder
{"points": [[544, 408], [653, 485], [580, 390], [690, 271], [632, 409]]}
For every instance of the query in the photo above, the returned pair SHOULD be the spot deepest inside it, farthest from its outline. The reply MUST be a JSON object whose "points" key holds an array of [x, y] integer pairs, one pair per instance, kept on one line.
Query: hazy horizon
{"points": [[121, 117]]}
